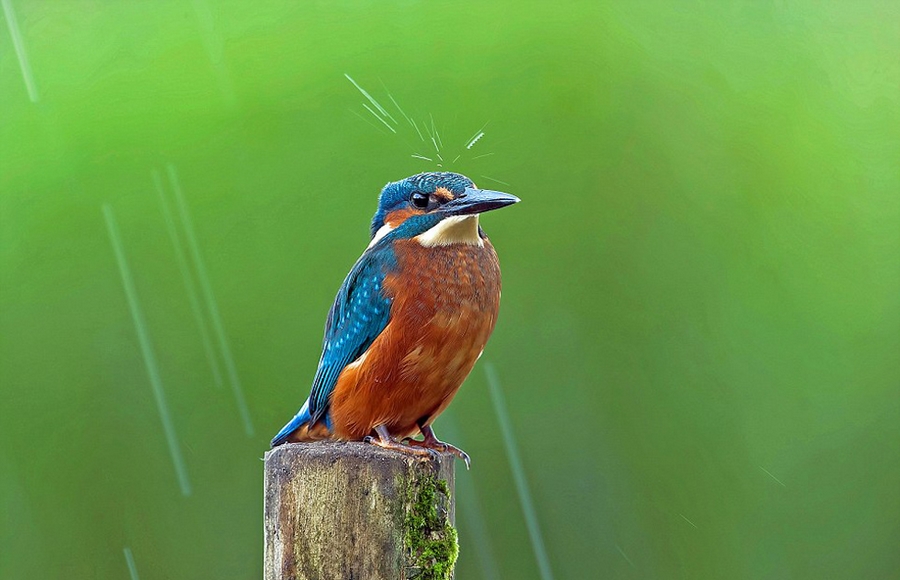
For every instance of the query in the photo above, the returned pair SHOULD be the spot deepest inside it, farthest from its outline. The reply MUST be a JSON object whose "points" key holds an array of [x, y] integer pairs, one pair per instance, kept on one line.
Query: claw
{"points": [[432, 442]]}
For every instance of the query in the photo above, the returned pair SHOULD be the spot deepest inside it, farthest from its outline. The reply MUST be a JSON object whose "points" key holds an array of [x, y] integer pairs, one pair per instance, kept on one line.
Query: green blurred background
{"points": [[699, 343]]}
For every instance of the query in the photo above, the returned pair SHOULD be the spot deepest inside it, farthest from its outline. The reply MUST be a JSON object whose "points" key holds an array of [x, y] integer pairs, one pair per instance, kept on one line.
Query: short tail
{"points": [[299, 420]]}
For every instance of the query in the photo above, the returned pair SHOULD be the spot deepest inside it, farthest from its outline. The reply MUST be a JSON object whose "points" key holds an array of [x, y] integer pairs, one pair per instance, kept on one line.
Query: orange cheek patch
{"points": [[443, 194], [397, 217]]}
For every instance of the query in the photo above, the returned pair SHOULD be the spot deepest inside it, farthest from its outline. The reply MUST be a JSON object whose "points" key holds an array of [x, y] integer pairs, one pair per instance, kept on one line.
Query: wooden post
{"points": [[336, 511]]}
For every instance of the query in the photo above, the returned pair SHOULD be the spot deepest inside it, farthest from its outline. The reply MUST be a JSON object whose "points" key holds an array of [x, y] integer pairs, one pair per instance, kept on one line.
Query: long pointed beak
{"points": [[477, 201]]}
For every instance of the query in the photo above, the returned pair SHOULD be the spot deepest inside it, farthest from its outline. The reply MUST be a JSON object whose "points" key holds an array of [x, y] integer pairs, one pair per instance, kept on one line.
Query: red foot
{"points": [[386, 441]]}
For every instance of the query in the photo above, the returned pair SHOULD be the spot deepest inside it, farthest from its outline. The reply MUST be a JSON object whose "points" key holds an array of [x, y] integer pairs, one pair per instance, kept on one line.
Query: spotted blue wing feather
{"points": [[359, 313]]}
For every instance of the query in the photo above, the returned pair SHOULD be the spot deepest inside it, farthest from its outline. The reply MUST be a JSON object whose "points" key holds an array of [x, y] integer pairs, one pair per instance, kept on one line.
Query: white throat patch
{"points": [[461, 229], [382, 231]]}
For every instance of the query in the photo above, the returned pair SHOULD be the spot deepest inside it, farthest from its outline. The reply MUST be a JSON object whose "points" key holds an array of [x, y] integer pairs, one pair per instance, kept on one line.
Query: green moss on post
{"points": [[429, 535]]}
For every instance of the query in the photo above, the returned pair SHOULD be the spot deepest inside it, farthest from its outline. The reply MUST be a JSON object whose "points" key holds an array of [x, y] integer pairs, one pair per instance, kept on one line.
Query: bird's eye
{"points": [[419, 200]]}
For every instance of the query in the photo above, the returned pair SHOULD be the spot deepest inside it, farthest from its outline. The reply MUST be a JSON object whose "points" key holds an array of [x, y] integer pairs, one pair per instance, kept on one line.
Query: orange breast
{"points": [[445, 303]]}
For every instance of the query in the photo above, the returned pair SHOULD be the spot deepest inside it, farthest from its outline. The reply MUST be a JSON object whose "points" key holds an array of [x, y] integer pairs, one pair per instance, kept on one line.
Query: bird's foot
{"points": [[386, 441], [431, 441], [441, 447]]}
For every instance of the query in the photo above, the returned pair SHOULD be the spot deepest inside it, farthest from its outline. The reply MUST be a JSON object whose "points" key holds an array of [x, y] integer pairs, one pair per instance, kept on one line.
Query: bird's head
{"points": [[441, 207]]}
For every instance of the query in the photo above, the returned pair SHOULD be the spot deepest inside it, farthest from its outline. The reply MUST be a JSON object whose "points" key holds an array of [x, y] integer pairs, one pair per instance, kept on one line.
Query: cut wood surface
{"points": [[336, 511]]}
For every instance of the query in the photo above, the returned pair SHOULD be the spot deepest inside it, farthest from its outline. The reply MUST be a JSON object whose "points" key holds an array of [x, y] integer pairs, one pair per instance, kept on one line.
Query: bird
{"points": [[409, 321]]}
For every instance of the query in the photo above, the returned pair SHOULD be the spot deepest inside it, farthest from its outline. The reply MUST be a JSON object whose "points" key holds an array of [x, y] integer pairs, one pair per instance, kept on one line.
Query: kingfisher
{"points": [[410, 320]]}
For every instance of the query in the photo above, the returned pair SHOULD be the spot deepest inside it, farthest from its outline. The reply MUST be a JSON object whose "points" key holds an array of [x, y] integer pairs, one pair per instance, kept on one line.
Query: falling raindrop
{"points": [[512, 451], [147, 350]]}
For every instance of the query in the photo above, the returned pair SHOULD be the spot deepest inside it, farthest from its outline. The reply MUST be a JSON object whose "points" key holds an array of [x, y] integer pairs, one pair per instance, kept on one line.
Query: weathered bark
{"points": [[336, 511]]}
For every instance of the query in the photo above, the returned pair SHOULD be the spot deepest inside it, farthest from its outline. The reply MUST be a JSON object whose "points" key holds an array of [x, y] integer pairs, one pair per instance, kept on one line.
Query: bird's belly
{"points": [[441, 319]]}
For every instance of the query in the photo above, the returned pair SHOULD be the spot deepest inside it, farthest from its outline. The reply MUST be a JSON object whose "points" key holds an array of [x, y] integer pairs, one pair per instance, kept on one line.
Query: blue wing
{"points": [[359, 313]]}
